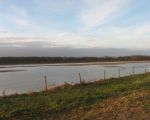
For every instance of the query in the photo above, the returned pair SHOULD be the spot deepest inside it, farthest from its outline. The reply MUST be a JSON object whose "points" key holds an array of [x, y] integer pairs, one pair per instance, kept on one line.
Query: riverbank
{"points": [[66, 60], [71, 64], [119, 98]]}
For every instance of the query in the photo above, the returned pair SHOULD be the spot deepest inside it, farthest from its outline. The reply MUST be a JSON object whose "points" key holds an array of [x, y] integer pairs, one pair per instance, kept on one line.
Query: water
{"points": [[25, 78]]}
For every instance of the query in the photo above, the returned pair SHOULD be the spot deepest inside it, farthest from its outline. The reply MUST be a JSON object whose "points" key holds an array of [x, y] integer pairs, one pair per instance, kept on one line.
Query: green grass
{"points": [[72, 102]]}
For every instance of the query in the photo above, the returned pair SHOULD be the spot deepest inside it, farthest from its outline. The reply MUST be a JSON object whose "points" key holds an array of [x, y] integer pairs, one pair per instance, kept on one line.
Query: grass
{"points": [[121, 99]]}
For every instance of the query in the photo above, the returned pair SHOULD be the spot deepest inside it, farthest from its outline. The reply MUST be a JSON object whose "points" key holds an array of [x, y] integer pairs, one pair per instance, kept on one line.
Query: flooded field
{"points": [[25, 78]]}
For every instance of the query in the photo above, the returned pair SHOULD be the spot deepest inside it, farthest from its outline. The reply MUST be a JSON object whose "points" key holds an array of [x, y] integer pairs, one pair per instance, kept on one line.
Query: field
{"points": [[125, 98]]}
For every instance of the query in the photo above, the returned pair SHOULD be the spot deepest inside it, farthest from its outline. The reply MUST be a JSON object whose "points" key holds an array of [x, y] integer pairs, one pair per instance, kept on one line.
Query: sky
{"points": [[72, 27]]}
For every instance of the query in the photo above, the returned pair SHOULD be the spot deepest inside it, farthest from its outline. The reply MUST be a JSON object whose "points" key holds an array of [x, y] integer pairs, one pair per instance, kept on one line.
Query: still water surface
{"points": [[25, 78]]}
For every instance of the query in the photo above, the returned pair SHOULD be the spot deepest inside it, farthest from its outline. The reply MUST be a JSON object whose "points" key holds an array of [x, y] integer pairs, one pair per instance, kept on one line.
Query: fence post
{"points": [[104, 74], [3, 93], [80, 78], [145, 70], [46, 84], [133, 70], [16, 93], [119, 73]]}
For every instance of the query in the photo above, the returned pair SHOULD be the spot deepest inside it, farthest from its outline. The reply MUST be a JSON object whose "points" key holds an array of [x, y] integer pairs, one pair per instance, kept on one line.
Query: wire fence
{"points": [[103, 74]]}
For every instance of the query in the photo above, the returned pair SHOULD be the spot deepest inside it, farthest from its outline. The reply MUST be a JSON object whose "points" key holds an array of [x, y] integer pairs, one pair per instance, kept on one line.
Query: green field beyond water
{"points": [[126, 98]]}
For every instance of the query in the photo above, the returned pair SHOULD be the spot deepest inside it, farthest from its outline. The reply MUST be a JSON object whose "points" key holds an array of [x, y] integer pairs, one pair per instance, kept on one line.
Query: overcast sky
{"points": [[74, 27]]}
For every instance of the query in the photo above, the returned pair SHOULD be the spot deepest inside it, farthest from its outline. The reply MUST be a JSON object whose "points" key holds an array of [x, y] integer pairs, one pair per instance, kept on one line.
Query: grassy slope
{"points": [[121, 99]]}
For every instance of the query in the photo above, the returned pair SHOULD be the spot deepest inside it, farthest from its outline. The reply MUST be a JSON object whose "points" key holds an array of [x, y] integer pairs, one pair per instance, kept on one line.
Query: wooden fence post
{"points": [[104, 74], [145, 70], [119, 73], [4, 93], [16, 93], [46, 89], [80, 78], [133, 70]]}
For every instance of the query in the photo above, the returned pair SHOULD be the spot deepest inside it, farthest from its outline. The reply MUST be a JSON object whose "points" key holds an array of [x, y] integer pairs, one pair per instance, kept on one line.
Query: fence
{"points": [[104, 76], [145, 70]]}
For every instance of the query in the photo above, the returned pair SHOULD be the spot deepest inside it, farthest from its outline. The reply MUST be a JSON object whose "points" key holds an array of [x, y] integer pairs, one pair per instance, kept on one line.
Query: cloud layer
{"points": [[81, 24]]}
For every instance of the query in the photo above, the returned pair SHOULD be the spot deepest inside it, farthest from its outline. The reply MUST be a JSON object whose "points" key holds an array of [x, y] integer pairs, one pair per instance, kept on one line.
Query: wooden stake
{"points": [[46, 84], [3, 93], [145, 70], [104, 75], [119, 73], [80, 78], [133, 70]]}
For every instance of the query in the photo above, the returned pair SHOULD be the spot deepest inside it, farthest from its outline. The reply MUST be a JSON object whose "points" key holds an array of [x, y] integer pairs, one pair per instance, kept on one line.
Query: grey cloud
{"points": [[26, 42], [70, 52]]}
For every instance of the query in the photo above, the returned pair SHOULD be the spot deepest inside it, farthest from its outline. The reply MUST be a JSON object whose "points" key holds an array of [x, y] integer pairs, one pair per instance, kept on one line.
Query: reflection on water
{"points": [[11, 70], [24, 78]]}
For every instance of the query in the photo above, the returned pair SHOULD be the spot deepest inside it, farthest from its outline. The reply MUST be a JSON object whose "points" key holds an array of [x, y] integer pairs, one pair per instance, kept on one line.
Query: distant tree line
{"points": [[40, 60]]}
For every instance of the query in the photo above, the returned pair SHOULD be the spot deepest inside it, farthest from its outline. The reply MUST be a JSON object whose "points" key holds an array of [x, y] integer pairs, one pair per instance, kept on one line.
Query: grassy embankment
{"points": [[126, 98]]}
